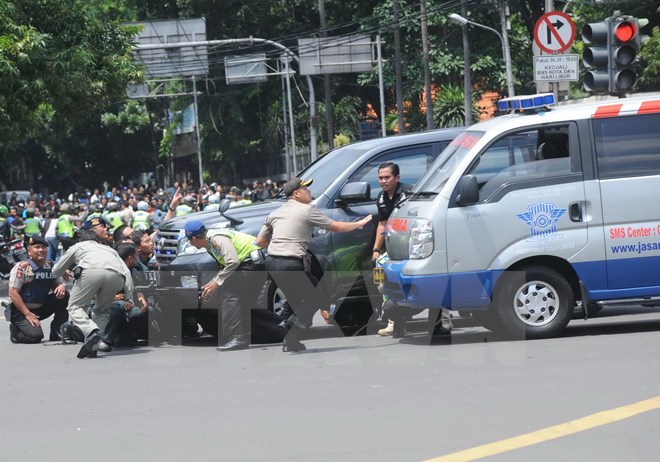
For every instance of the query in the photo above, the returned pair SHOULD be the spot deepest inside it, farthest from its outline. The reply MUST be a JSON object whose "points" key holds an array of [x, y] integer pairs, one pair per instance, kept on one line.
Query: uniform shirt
{"points": [[386, 205], [223, 246], [91, 254], [290, 227], [23, 274]]}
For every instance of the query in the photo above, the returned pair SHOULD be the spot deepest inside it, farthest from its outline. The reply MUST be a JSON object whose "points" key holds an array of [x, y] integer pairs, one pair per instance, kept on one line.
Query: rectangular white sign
{"points": [[555, 68]]}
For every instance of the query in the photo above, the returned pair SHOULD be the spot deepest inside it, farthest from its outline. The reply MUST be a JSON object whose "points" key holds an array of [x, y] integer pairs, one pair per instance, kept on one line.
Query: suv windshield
{"points": [[444, 165], [332, 164]]}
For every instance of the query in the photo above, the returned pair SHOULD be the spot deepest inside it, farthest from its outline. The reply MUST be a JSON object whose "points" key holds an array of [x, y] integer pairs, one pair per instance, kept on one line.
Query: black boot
{"points": [[236, 342], [291, 341], [87, 350], [66, 334]]}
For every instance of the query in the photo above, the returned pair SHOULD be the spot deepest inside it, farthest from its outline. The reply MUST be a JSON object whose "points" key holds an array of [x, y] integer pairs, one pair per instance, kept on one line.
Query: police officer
{"points": [[32, 224], [35, 295], [99, 272], [114, 218], [287, 233], [65, 226], [233, 251], [142, 218], [392, 191]]}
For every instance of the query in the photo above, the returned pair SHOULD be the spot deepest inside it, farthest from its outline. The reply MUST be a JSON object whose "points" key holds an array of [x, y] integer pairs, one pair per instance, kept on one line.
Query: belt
{"points": [[285, 258]]}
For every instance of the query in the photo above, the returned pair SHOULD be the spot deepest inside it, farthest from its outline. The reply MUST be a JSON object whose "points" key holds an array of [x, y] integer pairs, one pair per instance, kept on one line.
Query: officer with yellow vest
{"points": [[32, 224], [65, 226], [142, 220], [114, 217], [233, 251]]}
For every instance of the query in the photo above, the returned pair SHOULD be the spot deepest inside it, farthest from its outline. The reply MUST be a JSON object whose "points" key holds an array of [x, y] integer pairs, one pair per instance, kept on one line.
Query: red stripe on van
{"points": [[649, 107], [611, 110]]}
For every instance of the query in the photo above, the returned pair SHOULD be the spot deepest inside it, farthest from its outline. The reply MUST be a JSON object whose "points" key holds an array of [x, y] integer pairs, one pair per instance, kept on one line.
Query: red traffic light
{"points": [[625, 31]]}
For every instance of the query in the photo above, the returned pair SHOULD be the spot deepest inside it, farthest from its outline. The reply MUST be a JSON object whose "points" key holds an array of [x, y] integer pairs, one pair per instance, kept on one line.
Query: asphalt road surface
{"points": [[592, 394]]}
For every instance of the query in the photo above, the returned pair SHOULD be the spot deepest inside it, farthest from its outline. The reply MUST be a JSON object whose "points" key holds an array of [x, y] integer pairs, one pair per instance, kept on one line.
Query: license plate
{"points": [[149, 277], [379, 275]]}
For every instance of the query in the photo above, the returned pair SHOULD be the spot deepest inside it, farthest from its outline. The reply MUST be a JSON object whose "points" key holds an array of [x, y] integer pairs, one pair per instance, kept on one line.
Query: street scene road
{"points": [[364, 398]]}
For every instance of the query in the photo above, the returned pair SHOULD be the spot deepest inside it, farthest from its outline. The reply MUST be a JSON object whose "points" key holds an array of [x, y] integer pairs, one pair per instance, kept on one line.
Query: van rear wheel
{"points": [[533, 302]]}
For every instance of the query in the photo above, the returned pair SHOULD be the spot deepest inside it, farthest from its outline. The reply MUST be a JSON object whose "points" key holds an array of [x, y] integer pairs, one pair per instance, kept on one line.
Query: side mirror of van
{"points": [[358, 191], [468, 191]]}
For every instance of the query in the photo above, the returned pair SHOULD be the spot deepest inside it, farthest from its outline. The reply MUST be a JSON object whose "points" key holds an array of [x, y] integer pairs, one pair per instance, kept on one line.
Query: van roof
{"points": [[611, 107]]}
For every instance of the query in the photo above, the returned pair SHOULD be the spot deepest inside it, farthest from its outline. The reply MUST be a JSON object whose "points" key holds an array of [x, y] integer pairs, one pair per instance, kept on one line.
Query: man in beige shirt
{"points": [[287, 233], [100, 274]]}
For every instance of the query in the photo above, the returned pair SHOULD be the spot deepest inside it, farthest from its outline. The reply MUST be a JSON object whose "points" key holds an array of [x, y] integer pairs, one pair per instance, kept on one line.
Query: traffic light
{"points": [[626, 42], [596, 56]]}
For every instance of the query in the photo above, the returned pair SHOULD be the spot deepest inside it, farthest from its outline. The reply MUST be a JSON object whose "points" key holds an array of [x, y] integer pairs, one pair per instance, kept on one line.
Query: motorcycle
{"points": [[11, 253]]}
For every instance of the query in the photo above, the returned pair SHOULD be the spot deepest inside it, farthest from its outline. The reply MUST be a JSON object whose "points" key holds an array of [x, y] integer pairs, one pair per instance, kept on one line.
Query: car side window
{"points": [[413, 162], [523, 156]]}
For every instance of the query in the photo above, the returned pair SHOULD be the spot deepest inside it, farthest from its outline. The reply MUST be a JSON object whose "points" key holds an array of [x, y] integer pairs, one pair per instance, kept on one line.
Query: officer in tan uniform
{"points": [[99, 272], [287, 233]]}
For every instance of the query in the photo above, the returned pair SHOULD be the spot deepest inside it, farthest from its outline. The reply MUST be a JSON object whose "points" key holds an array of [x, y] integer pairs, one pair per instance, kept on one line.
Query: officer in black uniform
{"points": [[35, 295]]}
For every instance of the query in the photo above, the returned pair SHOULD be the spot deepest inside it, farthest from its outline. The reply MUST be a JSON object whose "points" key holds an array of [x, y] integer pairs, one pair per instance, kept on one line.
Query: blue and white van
{"points": [[524, 217]]}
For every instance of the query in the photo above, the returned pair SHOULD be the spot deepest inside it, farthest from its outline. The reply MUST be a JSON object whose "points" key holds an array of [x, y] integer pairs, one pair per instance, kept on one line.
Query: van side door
{"points": [[628, 159]]}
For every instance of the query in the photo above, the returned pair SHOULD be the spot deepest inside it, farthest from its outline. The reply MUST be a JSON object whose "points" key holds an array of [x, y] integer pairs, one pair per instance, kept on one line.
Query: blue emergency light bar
{"points": [[526, 102]]}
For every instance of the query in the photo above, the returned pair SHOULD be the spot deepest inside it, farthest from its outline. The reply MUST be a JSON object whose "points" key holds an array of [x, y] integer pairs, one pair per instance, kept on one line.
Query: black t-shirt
{"points": [[386, 205]]}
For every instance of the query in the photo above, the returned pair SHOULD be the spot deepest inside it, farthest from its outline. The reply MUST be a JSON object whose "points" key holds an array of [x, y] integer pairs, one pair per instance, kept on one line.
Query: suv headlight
{"points": [[420, 243]]}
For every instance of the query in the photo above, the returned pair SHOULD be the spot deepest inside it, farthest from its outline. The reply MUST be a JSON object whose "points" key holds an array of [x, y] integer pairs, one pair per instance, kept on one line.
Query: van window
{"points": [[523, 156], [627, 146], [413, 162]]}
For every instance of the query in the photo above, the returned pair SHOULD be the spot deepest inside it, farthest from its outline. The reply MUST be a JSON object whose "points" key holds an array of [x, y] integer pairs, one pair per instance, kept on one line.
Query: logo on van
{"points": [[542, 219]]}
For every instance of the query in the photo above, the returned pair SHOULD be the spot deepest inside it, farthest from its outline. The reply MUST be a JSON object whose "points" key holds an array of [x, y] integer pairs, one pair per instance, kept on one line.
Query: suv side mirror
{"points": [[357, 191], [468, 191], [224, 205]]}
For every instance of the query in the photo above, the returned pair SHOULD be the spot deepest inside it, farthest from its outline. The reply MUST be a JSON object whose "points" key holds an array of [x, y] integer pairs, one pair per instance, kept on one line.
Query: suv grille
{"points": [[166, 243]]}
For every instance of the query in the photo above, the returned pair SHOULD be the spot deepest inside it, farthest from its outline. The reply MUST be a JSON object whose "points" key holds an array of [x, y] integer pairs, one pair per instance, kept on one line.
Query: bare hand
{"points": [[68, 275], [60, 291], [128, 306], [364, 221], [374, 256], [209, 289], [33, 319], [177, 198]]}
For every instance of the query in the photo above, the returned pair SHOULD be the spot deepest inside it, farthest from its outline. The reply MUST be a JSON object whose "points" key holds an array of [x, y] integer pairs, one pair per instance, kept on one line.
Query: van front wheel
{"points": [[533, 302]]}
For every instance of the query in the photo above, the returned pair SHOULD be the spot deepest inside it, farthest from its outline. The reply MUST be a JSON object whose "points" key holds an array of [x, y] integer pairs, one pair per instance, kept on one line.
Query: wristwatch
{"points": [[376, 250]]}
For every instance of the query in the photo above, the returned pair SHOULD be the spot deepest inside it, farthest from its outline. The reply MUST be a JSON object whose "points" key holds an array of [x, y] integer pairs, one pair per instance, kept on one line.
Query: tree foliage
{"points": [[58, 60]]}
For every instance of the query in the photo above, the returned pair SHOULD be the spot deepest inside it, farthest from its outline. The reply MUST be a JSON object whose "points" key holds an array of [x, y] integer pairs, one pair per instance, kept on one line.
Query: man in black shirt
{"points": [[393, 191]]}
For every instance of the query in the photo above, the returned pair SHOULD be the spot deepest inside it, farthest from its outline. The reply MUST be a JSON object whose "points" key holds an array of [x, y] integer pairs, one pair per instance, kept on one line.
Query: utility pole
{"points": [[467, 77], [397, 68], [504, 11], [427, 67], [329, 111]]}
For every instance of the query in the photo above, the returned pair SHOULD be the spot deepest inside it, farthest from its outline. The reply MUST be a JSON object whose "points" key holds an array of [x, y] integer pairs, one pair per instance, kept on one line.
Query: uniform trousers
{"points": [[238, 296], [24, 332], [102, 283], [293, 277]]}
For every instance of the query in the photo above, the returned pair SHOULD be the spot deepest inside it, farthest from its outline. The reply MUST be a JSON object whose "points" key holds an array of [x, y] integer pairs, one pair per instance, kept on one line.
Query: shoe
{"points": [[292, 344], [103, 346], [387, 331], [399, 330], [55, 336], [88, 346], [66, 334], [12, 334], [236, 342], [440, 335]]}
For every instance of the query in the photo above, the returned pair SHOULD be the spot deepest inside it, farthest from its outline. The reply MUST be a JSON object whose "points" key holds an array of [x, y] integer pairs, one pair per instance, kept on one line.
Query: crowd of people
{"points": [[57, 217], [107, 240]]}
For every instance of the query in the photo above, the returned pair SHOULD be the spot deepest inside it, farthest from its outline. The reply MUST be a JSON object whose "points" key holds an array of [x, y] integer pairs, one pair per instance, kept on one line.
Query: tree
{"points": [[58, 61]]}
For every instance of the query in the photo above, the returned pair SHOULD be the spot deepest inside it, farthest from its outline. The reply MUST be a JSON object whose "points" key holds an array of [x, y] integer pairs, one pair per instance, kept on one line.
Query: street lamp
{"points": [[458, 19]]}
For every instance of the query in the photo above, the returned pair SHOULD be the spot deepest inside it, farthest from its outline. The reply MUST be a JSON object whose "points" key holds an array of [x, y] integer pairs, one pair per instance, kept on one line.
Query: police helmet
{"points": [[112, 206], [29, 212], [142, 205], [190, 200], [98, 208], [64, 208], [3, 210]]}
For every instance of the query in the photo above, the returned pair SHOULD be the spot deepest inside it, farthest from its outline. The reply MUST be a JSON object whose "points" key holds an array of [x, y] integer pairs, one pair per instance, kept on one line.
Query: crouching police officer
{"points": [[233, 251], [30, 285]]}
